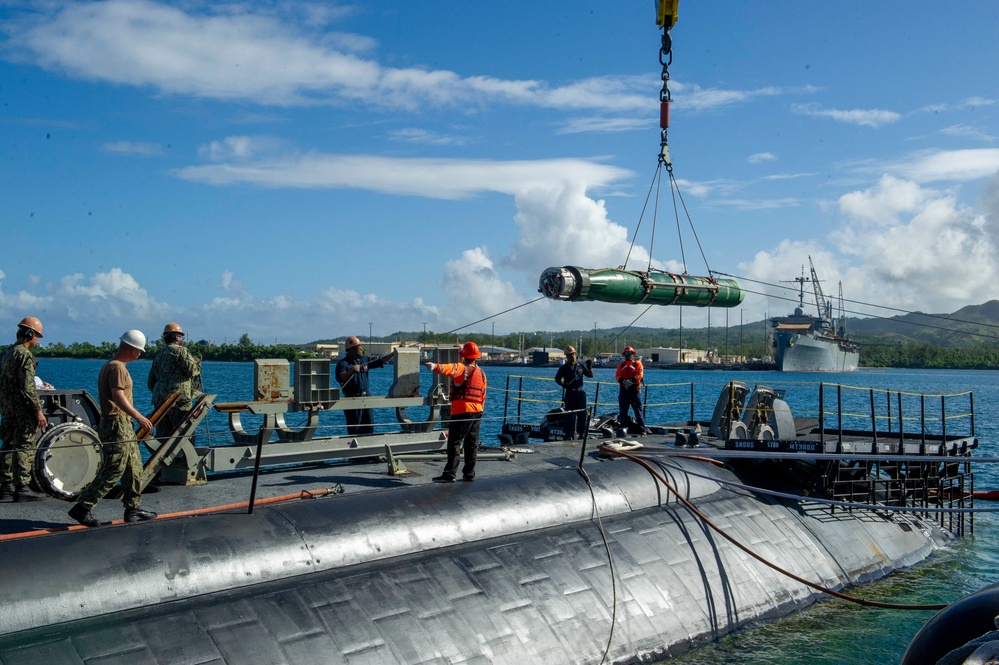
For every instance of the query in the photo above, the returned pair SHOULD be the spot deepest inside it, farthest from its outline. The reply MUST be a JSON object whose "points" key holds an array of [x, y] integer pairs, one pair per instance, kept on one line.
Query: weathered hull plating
{"points": [[504, 570]]}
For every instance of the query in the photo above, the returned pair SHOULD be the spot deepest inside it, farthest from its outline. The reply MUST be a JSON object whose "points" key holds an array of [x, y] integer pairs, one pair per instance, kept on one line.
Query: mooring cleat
{"points": [[82, 514], [138, 515]]}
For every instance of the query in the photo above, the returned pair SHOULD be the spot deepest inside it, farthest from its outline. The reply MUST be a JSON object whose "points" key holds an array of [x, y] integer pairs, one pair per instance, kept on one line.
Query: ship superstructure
{"points": [[805, 343]]}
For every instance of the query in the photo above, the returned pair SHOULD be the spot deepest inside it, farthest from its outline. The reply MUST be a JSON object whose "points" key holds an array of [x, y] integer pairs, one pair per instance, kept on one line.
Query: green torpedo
{"points": [[635, 288]]}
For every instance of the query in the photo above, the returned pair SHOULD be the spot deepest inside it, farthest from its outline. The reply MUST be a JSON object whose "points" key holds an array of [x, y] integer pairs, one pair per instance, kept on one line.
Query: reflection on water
{"points": [[832, 632]]}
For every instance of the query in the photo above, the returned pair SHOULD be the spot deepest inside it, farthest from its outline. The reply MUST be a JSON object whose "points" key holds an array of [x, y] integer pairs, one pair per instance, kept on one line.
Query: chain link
{"points": [[665, 59]]}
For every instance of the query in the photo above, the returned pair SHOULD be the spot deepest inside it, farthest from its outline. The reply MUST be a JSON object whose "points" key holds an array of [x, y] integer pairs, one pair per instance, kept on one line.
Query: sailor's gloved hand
{"points": [[356, 368], [429, 366], [589, 363], [627, 383]]}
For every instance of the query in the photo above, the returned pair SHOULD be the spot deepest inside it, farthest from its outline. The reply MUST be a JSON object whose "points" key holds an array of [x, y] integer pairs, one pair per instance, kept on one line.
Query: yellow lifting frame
{"points": [[666, 14]]}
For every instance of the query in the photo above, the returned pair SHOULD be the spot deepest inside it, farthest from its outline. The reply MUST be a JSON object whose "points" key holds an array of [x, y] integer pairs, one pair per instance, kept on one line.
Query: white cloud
{"points": [[426, 137], [758, 204], [862, 117], [76, 308], [475, 288], [237, 148], [558, 224], [948, 165], [882, 204], [920, 246], [563, 226], [434, 178], [134, 148], [968, 132], [591, 125], [787, 176], [283, 57], [969, 103], [696, 98], [898, 244], [770, 274], [761, 157]]}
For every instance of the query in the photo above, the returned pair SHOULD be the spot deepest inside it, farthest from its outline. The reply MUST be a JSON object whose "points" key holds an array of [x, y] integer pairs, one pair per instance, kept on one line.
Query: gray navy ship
{"points": [[804, 343]]}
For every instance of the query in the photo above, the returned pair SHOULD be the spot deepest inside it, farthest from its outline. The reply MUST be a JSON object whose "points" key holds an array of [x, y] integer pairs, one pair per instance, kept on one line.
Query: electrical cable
{"points": [[603, 536], [493, 316], [982, 324], [721, 532]]}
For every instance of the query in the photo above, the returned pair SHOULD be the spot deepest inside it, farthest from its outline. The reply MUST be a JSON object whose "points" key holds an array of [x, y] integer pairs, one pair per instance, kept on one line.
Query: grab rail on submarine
{"points": [[656, 287]]}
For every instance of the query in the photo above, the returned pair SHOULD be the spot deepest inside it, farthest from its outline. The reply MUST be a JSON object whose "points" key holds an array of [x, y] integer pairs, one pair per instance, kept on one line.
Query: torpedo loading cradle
{"points": [[656, 287]]}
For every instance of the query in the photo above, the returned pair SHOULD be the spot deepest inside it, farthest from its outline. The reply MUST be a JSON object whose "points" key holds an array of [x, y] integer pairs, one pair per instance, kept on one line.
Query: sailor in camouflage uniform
{"points": [[120, 447], [22, 412], [174, 370]]}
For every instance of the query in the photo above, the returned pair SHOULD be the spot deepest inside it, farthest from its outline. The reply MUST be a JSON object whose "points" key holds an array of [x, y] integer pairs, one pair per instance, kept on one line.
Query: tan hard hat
{"points": [[569, 349], [173, 328], [351, 343], [31, 323]]}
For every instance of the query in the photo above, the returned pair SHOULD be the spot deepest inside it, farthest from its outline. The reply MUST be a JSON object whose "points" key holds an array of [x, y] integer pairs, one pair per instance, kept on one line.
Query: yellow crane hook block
{"points": [[666, 14]]}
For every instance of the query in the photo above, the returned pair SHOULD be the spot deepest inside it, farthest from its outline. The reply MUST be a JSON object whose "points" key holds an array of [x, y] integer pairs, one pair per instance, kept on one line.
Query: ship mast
{"points": [[823, 305], [800, 281], [841, 323]]}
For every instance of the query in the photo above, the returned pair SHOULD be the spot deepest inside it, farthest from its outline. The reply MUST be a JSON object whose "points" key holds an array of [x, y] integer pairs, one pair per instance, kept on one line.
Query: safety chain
{"points": [[665, 59]]}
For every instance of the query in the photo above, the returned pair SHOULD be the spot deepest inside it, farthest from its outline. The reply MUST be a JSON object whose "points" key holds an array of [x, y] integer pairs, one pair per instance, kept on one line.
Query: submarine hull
{"points": [[572, 283], [508, 569]]}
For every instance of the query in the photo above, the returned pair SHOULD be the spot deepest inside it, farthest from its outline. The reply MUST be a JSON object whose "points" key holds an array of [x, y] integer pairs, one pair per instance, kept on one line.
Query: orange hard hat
{"points": [[31, 323], [470, 350], [628, 350], [351, 343], [569, 349], [173, 328]]}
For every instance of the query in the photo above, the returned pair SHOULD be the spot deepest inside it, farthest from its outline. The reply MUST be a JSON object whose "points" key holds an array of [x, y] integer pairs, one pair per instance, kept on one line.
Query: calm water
{"points": [[832, 632]]}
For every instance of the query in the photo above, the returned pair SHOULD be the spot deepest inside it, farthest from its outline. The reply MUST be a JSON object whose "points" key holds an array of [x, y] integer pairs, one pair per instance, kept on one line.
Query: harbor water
{"points": [[833, 632]]}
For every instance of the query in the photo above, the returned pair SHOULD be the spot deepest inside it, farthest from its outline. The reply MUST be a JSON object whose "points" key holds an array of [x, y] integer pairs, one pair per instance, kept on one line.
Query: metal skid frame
{"points": [[179, 461]]}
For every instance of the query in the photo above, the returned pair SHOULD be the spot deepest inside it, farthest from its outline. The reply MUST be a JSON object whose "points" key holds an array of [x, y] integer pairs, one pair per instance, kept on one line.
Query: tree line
{"points": [[243, 350], [875, 351]]}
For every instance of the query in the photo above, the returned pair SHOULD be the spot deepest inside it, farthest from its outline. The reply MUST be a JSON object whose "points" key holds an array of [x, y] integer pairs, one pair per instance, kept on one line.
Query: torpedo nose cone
{"points": [[558, 283]]}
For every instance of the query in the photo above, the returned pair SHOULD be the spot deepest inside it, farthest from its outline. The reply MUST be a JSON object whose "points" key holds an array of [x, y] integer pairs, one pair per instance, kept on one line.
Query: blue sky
{"points": [[299, 170]]}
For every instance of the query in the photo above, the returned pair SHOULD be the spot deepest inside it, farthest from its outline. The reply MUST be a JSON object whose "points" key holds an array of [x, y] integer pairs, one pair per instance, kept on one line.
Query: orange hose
{"points": [[304, 494], [699, 458]]}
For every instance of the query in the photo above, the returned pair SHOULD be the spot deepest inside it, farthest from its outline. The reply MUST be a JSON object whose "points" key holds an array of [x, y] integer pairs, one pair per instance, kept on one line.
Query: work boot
{"points": [[138, 515], [444, 479], [6, 491], [23, 495], [468, 478], [82, 514]]}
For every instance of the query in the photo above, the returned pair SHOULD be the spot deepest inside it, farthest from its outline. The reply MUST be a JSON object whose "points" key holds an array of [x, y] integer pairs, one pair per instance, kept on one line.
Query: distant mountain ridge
{"points": [[969, 326]]}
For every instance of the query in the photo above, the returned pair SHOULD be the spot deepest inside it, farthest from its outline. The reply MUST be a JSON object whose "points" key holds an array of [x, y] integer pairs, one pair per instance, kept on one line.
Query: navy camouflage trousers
{"points": [[18, 452], [121, 462]]}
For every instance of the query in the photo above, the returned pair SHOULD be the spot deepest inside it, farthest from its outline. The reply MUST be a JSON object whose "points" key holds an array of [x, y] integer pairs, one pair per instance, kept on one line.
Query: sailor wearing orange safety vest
{"points": [[468, 395], [629, 376]]}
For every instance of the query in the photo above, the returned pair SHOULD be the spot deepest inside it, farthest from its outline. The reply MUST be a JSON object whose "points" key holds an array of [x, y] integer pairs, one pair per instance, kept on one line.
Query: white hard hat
{"points": [[135, 339]]}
